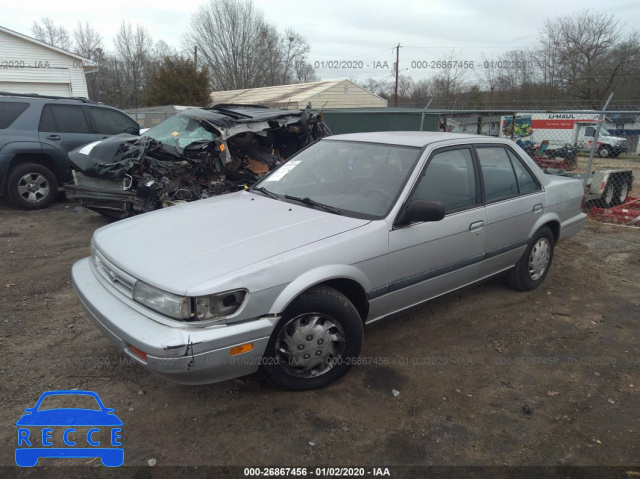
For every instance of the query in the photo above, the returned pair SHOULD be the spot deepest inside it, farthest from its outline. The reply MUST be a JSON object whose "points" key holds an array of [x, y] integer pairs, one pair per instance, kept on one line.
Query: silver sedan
{"points": [[282, 277]]}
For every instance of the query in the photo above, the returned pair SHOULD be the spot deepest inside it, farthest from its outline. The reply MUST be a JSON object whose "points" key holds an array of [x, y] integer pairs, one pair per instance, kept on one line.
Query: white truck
{"points": [[560, 129]]}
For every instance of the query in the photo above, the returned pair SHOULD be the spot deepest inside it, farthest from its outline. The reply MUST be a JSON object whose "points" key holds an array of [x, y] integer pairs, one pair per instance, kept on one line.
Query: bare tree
{"points": [[422, 92], [294, 48], [377, 87], [47, 31], [451, 80], [405, 87], [242, 50], [231, 35], [590, 53], [133, 49], [87, 40], [304, 72]]}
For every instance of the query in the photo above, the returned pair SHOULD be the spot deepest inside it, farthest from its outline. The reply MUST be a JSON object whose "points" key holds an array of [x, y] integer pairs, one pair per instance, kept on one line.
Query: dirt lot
{"points": [[465, 365]]}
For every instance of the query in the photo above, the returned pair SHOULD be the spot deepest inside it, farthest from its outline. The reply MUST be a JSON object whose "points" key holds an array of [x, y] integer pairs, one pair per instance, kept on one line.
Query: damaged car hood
{"points": [[213, 237]]}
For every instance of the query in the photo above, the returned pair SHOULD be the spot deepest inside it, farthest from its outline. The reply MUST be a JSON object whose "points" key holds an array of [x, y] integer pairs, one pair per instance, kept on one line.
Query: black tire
{"points": [[604, 151], [315, 342], [608, 198], [532, 268], [31, 186], [622, 191]]}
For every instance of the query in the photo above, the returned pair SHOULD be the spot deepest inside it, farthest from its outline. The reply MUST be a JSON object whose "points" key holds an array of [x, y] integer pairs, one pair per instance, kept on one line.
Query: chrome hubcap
{"points": [[33, 187], [310, 345], [539, 258]]}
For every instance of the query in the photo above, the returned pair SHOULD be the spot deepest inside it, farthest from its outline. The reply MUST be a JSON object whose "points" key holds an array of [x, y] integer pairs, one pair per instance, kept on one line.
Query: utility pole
{"points": [[397, 67], [195, 56]]}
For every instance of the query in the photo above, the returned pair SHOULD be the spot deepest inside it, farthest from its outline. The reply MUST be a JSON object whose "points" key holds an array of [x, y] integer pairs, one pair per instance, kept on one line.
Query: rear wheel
{"points": [[622, 192], [315, 342], [31, 186], [532, 268]]}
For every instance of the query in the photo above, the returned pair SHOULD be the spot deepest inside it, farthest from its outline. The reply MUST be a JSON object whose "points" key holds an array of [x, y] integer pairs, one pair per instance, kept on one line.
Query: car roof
{"points": [[48, 98], [407, 138]]}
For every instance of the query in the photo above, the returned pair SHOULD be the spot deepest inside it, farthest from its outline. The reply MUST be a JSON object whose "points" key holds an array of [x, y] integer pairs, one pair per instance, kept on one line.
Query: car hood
{"points": [[184, 246]]}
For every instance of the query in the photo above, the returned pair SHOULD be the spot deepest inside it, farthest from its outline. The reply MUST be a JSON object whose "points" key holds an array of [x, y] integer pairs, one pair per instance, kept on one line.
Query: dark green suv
{"points": [[36, 134]]}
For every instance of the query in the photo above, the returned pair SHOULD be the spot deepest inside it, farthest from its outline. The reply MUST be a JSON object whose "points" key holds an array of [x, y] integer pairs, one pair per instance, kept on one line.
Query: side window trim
{"points": [[94, 124], [423, 171], [46, 110], [508, 151], [515, 177], [524, 165], [77, 108]]}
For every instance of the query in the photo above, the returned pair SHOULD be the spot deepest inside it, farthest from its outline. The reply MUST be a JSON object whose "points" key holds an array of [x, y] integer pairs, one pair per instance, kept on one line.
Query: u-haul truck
{"points": [[560, 129]]}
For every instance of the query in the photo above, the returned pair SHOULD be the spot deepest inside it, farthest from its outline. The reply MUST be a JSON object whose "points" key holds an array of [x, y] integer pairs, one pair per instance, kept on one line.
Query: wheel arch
{"points": [[37, 158], [551, 221], [348, 280]]}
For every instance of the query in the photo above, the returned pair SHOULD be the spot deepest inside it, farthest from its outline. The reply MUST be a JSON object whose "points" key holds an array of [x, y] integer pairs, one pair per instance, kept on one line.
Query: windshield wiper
{"points": [[308, 201], [266, 192]]}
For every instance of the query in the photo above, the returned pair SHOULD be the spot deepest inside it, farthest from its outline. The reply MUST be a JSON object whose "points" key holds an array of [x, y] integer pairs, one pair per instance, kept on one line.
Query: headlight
{"points": [[219, 306], [177, 307]]}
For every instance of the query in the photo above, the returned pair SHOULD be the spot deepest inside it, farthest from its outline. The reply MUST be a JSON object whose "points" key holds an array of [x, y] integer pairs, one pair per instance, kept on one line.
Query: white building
{"points": [[327, 94], [31, 66]]}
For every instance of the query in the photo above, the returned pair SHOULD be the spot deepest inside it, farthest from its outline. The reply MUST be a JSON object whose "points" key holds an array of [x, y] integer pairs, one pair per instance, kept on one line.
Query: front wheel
{"points": [[607, 200], [31, 186], [604, 152], [532, 268], [316, 341]]}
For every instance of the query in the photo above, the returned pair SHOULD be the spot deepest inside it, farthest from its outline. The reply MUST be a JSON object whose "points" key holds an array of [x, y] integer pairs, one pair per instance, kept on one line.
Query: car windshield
{"points": [[63, 401], [356, 179], [604, 132], [181, 131]]}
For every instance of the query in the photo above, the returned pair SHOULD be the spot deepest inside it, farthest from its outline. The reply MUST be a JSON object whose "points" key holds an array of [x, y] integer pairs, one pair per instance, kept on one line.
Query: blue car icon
{"points": [[37, 423]]}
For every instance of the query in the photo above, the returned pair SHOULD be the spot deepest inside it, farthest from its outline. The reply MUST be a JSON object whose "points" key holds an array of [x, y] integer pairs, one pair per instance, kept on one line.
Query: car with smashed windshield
{"points": [[197, 153]]}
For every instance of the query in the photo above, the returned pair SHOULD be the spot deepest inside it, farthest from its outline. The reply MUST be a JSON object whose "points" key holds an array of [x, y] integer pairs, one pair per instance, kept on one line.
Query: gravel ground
{"points": [[487, 376]]}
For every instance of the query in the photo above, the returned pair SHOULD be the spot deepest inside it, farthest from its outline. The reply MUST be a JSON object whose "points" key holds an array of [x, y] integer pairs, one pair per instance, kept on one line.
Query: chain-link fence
{"points": [[568, 142], [571, 143]]}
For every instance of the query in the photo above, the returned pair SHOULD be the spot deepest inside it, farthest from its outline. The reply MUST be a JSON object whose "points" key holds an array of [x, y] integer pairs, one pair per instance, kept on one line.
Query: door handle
{"points": [[54, 137], [537, 207], [476, 226]]}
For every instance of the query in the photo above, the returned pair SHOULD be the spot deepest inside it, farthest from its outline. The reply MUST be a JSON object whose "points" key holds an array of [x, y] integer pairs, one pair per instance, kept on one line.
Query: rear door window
{"points": [[526, 182], [498, 175], [10, 111], [110, 122], [64, 119]]}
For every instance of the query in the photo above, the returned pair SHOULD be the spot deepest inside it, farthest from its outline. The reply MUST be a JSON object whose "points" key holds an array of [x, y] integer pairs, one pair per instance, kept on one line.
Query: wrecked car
{"points": [[350, 230], [195, 154]]}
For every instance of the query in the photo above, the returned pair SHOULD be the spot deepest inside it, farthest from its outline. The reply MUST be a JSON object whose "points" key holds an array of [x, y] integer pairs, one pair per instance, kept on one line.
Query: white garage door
{"points": [[44, 81], [57, 89]]}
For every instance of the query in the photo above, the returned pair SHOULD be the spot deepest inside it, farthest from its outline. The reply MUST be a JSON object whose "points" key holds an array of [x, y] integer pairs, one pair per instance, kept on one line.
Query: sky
{"points": [[355, 36]]}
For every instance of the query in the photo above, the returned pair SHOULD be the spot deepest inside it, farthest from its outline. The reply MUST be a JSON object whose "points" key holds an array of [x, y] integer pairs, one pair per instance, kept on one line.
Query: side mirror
{"points": [[424, 210], [132, 130]]}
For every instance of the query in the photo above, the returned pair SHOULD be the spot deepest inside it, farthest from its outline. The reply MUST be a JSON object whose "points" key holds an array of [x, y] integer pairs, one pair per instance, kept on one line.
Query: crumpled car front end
{"points": [[198, 154]]}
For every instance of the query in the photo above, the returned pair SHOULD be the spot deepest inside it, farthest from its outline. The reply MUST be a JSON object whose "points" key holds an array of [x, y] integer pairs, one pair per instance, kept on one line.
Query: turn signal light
{"points": [[243, 348], [138, 352]]}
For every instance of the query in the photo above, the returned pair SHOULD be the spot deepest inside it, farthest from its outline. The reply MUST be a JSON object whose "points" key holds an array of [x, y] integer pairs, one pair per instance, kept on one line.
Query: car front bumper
{"points": [[185, 355]]}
